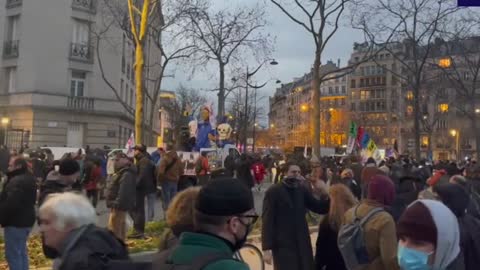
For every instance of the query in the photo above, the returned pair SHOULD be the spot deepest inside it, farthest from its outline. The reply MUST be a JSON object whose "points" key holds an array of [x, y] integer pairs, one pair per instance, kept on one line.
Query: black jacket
{"points": [[91, 248], [121, 191], [244, 173], [51, 185], [146, 180], [285, 229], [17, 200], [327, 254]]}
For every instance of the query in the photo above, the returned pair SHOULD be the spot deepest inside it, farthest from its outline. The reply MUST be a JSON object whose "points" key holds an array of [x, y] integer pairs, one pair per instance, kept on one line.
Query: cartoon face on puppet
{"points": [[205, 114], [224, 131]]}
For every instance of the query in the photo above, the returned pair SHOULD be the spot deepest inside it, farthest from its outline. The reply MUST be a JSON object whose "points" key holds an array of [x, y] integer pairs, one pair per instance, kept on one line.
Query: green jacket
{"points": [[196, 244]]}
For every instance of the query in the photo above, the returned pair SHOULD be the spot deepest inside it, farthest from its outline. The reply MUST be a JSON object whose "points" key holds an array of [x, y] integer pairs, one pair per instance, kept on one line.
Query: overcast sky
{"points": [[294, 50]]}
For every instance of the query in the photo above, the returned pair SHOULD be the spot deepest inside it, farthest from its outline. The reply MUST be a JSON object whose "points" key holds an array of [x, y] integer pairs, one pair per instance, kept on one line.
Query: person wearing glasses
{"points": [[285, 235], [224, 215]]}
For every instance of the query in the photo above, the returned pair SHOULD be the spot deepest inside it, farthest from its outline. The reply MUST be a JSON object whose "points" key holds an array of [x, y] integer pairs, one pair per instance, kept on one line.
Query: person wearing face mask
{"points": [[224, 215], [429, 238], [285, 234]]}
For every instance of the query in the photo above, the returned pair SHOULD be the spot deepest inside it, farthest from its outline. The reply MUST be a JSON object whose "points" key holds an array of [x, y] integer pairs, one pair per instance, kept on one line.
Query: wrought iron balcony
{"points": [[86, 5], [81, 52], [13, 3], [10, 49], [81, 103]]}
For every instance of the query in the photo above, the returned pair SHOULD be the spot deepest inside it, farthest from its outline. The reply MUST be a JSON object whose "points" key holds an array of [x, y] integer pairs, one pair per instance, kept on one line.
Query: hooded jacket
{"points": [[447, 251], [456, 198]]}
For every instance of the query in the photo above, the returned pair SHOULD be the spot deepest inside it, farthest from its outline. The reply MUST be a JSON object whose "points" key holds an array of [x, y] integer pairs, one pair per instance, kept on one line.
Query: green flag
{"points": [[353, 130]]}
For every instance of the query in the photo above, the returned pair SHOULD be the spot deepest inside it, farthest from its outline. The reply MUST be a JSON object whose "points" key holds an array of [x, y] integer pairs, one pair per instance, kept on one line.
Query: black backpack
{"points": [[163, 262]]}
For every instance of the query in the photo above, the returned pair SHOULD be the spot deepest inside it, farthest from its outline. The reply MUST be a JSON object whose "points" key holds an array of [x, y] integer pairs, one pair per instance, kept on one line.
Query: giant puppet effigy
{"points": [[206, 134]]}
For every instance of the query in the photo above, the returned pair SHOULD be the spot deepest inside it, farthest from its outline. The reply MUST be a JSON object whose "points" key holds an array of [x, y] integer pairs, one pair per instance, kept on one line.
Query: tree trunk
{"points": [[416, 121], [315, 120], [151, 131], [139, 63], [221, 93]]}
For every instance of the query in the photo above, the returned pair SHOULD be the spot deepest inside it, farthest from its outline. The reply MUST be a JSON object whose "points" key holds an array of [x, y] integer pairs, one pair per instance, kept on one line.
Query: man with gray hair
{"points": [[67, 224]]}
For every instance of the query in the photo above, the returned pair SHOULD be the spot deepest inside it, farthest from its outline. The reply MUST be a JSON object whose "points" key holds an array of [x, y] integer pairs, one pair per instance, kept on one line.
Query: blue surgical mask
{"points": [[411, 259]]}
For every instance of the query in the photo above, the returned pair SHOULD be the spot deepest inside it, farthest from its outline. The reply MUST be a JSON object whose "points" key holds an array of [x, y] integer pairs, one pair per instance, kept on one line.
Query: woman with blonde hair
{"points": [[179, 217], [327, 255]]}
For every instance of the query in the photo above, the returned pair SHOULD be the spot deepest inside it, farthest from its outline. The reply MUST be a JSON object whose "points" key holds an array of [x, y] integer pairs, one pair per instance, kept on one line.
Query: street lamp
{"points": [[273, 62], [304, 107], [477, 110], [456, 134], [272, 125]]}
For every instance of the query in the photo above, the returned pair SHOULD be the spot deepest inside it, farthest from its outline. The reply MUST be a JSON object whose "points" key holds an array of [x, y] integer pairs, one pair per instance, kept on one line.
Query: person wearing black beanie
{"points": [[224, 216]]}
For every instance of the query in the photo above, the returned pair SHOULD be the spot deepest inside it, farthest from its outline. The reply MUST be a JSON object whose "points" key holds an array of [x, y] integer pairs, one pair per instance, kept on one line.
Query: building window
{"points": [[81, 32], [336, 89], [442, 124], [11, 79], [410, 95], [353, 106], [330, 90], [12, 33], [443, 108], [445, 62], [409, 110], [352, 83], [77, 84], [344, 89]]}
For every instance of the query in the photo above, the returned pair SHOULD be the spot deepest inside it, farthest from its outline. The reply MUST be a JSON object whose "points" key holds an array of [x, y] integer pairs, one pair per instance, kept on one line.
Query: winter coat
{"points": [[229, 165], [327, 254], [121, 192], [87, 246], [244, 173], [173, 163], [407, 192], [17, 200], [39, 168], [354, 187], [4, 159], [285, 229], [259, 172], [193, 245], [146, 181], [380, 236], [93, 178], [473, 189], [52, 184], [357, 169]]}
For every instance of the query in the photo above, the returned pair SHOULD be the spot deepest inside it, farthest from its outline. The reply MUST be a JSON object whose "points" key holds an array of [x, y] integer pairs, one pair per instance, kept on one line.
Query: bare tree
{"points": [[225, 37], [463, 76], [238, 119], [413, 24], [165, 34], [321, 20]]}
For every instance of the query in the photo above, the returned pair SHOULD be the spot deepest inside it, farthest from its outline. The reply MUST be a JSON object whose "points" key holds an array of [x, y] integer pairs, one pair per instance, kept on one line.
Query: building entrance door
{"points": [[75, 134]]}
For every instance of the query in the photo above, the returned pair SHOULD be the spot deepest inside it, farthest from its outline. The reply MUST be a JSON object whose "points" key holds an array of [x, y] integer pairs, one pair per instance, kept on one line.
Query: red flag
{"points": [[360, 133]]}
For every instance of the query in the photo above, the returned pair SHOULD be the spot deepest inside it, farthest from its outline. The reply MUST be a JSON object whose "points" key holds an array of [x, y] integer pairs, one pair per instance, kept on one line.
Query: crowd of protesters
{"points": [[390, 214]]}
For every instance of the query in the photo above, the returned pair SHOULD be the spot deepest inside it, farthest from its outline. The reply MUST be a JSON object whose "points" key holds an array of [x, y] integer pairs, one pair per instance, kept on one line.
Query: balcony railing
{"points": [[81, 52], [86, 5], [13, 3], [10, 49], [81, 103]]}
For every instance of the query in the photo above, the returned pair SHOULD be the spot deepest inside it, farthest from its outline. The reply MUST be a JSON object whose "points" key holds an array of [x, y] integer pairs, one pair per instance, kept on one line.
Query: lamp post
{"points": [[456, 133], [247, 85], [5, 122]]}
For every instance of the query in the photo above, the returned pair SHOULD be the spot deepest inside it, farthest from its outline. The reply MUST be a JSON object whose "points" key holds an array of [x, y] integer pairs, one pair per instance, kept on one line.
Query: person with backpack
{"points": [[285, 235], [429, 238], [367, 238], [327, 255], [67, 224], [202, 169], [168, 174], [456, 198], [224, 216]]}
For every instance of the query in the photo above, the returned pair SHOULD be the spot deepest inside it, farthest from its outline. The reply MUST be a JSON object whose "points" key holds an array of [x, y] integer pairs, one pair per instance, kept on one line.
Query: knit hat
{"points": [[69, 166], [436, 177], [381, 190], [224, 197], [416, 222]]}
